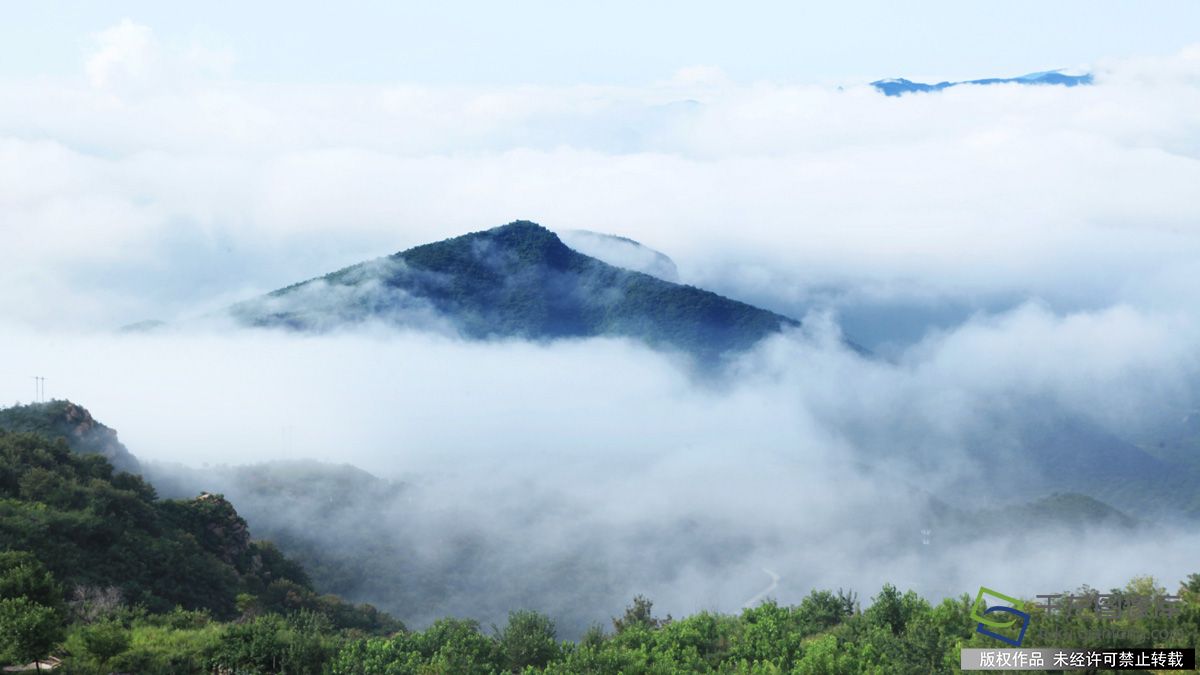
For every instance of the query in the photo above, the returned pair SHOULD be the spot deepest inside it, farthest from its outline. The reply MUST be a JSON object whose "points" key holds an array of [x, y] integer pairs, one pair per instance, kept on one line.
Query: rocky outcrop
{"points": [[221, 530], [73, 422], [93, 436]]}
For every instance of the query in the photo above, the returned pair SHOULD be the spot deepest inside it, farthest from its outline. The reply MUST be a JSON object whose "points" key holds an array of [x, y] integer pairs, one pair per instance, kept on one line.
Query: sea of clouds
{"points": [[994, 246]]}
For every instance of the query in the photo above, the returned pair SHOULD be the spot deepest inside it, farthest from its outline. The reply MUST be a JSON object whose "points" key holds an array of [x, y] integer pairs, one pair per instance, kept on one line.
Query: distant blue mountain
{"points": [[897, 87]]}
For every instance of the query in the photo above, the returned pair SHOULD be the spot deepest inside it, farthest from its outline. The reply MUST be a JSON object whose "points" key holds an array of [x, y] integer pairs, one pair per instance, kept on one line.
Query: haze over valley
{"points": [[709, 335]]}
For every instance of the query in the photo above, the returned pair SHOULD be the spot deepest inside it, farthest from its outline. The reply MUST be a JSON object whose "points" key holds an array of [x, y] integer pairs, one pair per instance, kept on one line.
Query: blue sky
{"points": [[618, 42]]}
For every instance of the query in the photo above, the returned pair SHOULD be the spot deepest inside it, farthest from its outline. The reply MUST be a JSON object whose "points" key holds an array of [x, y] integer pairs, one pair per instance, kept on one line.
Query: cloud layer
{"points": [[123, 202], [568, 477], [1046, 240]]}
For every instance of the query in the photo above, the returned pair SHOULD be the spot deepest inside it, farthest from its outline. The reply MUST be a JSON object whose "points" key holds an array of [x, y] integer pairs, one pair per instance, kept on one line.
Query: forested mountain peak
{"points": [[516, 281]]}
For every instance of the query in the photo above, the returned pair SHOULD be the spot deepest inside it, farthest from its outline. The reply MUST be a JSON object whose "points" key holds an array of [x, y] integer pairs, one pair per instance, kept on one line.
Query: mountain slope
{"points": [[64, 419], [900, 86], [518, 280], [107, 534]]}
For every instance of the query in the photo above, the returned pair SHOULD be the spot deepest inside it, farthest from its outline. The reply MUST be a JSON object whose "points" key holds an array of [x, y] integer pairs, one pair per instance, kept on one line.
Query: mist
{"points": [[1021, 263], [570, 476]]}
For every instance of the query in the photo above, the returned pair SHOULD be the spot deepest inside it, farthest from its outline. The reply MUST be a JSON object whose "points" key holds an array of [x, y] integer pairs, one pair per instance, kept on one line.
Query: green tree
{"points": [[825, 656], [529, 639], [105, 640], [640, 613], [822, 610], [892, 610], [377, 656], [300, 644], [696, 643], [768, 634], [28, 630], [22, 575], [457, 646]]}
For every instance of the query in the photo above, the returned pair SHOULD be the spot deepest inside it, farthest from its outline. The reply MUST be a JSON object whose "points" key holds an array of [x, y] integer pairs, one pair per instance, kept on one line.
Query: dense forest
{"points": [[73, 422], [99, 575]]}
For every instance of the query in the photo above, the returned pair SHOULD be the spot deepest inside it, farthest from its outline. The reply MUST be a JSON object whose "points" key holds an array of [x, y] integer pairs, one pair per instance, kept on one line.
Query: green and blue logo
{"points": [[990, 625]]}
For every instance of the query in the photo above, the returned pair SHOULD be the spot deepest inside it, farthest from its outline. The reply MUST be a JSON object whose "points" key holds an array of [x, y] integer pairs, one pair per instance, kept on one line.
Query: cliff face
{"points": [[73, 422], [93, 436]]}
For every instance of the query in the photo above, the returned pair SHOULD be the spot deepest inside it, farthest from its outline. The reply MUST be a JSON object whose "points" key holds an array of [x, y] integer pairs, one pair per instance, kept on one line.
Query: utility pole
{"points": [[39, 388]]}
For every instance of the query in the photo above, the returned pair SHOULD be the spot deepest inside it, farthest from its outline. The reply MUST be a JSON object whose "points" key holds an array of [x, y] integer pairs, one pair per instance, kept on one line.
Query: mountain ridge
{"points": [[517, 280], [74, 423], [900, 86]]}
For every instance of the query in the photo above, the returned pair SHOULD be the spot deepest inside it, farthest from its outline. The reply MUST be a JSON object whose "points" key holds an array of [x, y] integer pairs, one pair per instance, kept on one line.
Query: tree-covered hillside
{"points": [[73, 422], [111, 545], [99, 575], [517, 280]]}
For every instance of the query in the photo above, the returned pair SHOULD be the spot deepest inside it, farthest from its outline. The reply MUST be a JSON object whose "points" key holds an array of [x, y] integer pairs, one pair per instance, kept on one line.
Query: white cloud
{"points": [[620, 473], [128, 65], [126, 55], [1061, 222], [763, 190]]}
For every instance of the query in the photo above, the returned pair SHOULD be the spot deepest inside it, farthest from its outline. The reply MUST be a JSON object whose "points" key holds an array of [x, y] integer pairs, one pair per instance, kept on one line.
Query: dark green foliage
{"points": [[301, 644], [1192, 585], [638, 615], [529, 639], [96, 530], [67, 510], [823, 610], [900, 633], [73, 423], [322, 500], [771, 634], [105, 640], [32, 611], [457, 646], [448, 646], [281, 567], [28, 630], [519, 280], [134, 641], [894, 611], [22, 575], [698, 643]]}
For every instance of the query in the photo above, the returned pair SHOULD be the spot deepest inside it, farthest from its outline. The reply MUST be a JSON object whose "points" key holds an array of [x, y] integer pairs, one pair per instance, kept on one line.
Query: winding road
{"points": [[763, 593]]}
